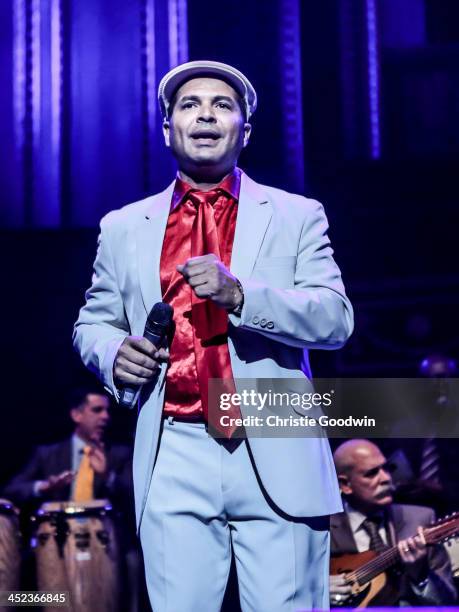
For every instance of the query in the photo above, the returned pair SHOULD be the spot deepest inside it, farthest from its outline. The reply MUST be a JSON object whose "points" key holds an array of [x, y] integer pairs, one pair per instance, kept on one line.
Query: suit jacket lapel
{"points": [[63, 457], [150, 236], [396, 524], [100, 481], [342, 540], [253, 217], [60, 462]]}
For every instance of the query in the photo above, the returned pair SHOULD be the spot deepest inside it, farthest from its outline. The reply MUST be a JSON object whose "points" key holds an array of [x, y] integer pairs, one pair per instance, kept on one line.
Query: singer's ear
{"points": [[166, 132]]}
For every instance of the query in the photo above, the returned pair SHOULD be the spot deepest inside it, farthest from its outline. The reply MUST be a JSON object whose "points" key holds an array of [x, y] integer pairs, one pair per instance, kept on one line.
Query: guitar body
{"points": [[371, 579], [382, 590]]}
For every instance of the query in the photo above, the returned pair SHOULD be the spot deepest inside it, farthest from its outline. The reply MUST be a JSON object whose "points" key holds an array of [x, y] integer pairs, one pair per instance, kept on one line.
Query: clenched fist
{"points": [[210, 278]]}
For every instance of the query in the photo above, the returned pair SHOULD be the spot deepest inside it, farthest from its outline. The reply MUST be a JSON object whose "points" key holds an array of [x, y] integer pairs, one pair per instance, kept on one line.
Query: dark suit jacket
{"points": [[403, 522], [55, 458]]}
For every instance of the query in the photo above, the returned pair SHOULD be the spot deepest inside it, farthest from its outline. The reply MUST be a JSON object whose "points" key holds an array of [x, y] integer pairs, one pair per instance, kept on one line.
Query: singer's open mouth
{"points": [[206, 135]]}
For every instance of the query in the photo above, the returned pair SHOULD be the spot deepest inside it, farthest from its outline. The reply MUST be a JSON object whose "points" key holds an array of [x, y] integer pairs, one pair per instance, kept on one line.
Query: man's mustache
{"points": [[389, 490]]}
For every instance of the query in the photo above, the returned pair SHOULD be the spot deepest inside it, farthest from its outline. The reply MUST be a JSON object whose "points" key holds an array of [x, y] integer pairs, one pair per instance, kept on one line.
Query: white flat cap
{"points": [[180, 74]]}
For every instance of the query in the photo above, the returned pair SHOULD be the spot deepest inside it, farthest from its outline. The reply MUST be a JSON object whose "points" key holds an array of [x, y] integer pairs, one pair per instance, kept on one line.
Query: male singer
{"points": [[249, 272]]}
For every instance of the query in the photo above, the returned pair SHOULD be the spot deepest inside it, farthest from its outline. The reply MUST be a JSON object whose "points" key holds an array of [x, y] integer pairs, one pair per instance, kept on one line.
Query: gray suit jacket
{"points": [[403, 521], [294, 299]]}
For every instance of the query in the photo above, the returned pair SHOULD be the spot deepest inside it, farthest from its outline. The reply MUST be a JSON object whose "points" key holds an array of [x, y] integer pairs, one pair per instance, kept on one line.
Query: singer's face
{"points": [[369, 481], [92, 418], [207, 129]]}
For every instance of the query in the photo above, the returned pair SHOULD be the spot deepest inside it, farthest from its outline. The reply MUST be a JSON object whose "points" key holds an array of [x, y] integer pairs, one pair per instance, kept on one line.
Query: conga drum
{"points": [[10, 551], [76, 551]]}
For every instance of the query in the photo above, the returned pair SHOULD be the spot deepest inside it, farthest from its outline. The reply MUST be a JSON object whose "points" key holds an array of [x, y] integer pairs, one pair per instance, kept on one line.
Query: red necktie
{"points": [[210, 322]]}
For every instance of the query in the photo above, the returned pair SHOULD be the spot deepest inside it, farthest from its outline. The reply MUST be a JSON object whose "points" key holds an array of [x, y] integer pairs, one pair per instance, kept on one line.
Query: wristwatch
{"points": [[238, 309]]}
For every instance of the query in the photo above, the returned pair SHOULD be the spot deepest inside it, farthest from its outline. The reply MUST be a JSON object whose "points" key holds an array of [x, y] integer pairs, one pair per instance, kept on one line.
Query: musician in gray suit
{"points": [[249, 272], [371, 521]]}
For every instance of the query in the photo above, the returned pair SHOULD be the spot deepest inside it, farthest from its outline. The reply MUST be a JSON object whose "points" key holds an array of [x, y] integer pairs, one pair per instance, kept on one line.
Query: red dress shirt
{"points": [[193, 361]]}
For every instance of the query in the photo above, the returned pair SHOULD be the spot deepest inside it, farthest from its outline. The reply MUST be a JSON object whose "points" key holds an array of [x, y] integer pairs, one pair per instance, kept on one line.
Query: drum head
{"points": [[95, 506]]}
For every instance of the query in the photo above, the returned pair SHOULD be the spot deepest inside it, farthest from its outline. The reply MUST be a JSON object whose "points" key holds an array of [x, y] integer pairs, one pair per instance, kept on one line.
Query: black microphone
{"points": [[156, 329]]}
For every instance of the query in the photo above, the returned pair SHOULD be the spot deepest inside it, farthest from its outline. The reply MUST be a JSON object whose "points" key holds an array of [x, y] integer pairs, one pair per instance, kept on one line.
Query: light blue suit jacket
{"points": [[294, 299]]}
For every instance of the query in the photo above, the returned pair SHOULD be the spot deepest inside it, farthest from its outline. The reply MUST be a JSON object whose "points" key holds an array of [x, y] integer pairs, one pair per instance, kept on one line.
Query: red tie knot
{"points": [[204, 197]]}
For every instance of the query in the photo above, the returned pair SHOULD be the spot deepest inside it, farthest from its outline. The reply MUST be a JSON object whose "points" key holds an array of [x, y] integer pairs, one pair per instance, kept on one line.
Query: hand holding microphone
{"points": [[138, 358], [137, 361]]}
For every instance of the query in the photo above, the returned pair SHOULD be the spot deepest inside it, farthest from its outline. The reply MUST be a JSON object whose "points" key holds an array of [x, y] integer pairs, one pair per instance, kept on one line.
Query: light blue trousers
{"points": [[204, 502]]}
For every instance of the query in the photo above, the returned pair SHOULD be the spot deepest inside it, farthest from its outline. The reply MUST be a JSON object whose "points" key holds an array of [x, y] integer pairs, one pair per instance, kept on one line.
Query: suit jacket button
{"points": [[255, 320], [270, 325], [263, 323]]}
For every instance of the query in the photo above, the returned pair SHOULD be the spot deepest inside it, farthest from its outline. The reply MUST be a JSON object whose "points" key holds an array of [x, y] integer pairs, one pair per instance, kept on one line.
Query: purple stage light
{"points": [[56, 77], [292, 103], [373, 79], [19, 71], [150, 65], [35, 48], [178, 36]]}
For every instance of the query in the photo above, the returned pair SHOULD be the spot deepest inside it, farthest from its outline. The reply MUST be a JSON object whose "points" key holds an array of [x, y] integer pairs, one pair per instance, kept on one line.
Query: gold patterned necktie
{"points": [[84, 483]]}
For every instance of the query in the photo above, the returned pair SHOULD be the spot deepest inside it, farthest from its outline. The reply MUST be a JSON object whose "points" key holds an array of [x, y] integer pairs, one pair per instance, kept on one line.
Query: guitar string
{"points": [[374, 564], [377, 564]]}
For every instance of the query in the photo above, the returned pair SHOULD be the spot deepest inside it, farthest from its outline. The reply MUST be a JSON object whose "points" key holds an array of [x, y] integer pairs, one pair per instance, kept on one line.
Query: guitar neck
{"points": [[435, 533]]}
